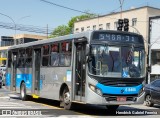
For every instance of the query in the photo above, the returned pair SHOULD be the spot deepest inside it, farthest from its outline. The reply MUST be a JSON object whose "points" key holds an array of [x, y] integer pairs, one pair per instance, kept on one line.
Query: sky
{"points": [[40, 14]]}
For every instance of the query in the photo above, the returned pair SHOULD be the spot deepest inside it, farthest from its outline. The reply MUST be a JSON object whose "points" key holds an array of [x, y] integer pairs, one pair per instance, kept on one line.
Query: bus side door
{"points": [[14, 70], [36, 71], [79, 85]]}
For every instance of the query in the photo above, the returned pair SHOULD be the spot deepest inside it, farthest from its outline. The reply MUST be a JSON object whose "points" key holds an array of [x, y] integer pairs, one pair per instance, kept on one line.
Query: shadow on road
{"points": [[96, 110]]}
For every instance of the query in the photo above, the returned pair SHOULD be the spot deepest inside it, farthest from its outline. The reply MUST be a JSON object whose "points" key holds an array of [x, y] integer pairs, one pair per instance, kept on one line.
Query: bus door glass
{"points": [[14, 70], [80, 72], [36, 70]]}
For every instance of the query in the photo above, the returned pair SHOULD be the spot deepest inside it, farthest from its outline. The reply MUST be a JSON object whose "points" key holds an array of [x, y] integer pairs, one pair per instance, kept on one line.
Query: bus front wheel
{"points": [[23, 91], [66, 99]]}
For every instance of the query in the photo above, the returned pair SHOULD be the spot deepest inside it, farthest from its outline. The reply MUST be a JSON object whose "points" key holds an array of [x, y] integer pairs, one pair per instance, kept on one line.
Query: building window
{"points": [[88, 28], [100, 26], [77, 29], [115, 25], [107, 26], [82, 29], [94, 27], [134, 21], [155, 57]]}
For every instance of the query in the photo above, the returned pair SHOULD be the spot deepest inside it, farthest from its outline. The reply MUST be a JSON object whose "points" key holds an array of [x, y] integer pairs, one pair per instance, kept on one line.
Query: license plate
{"points": [[121, 99]]}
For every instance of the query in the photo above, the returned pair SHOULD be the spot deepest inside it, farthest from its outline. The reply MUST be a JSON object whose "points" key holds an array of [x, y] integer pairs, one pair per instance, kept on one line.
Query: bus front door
{"points": [[13, 70], [36, 71], [80, 72]]}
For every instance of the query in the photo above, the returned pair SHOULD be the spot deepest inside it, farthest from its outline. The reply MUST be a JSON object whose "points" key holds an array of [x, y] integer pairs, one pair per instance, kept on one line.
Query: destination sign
{"points": [[114, 37]]}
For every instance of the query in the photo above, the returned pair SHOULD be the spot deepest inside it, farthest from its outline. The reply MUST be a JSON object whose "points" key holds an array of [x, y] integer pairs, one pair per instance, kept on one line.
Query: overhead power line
{"points": [[66, 7], [21, 27]]}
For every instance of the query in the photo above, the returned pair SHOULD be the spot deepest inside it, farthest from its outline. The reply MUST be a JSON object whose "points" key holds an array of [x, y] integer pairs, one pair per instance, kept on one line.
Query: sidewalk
{"points": [[5, 93]]}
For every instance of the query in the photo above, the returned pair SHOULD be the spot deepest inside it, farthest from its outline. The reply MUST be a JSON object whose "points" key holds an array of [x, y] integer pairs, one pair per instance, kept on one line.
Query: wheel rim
{"points": [[22, 92], [66, 98], [148, 100]]}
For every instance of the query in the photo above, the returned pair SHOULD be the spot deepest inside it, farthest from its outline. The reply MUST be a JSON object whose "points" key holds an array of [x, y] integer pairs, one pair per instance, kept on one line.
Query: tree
{"points": [[60, 31], [68, 29], [79, 18]]}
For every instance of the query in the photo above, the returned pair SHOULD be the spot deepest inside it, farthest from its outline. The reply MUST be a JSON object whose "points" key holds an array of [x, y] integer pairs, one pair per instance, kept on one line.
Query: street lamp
{"points": [[17, 23], [11, 20], [14, 23]]}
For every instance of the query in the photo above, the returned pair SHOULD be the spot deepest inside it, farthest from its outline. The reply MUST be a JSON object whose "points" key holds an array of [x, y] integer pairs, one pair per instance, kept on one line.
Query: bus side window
{"points": [[65, 55], [54, 55], [28, 57], [45, 57], [21, 58]]}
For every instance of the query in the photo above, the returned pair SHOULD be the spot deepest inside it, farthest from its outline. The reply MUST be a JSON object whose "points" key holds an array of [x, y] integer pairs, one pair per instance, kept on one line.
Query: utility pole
{"points": [[121, 5]]}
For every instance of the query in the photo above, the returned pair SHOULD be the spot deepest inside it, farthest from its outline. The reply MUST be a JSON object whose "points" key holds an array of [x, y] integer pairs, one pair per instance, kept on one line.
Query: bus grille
{"points": [[114, 98]]}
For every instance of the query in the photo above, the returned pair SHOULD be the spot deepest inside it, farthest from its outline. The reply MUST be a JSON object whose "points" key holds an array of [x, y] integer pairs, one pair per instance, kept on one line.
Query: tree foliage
{"points": [[67, 29], [79, 18], [60, 31]]}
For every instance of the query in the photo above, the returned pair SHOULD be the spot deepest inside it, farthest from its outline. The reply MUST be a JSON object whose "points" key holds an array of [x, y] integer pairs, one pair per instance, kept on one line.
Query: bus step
{"points": [[35, 96]]}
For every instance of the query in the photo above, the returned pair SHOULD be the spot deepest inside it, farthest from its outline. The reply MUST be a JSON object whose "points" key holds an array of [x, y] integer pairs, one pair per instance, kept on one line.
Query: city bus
{"points": [[94, 67]]}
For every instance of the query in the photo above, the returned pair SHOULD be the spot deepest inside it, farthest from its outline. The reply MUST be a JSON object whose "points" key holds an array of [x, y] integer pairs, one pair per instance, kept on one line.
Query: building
{"points": [[7, 41], [138, 21], [25, 38]]}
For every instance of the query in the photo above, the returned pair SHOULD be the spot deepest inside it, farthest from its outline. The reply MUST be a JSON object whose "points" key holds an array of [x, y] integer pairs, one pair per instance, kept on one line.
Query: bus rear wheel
{"points": [[112, 107], [66, 99], [23, 91]]}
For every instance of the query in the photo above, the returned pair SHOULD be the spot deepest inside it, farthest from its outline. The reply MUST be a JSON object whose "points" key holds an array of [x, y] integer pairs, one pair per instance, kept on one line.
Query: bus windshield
{"points": [[116, 61]]}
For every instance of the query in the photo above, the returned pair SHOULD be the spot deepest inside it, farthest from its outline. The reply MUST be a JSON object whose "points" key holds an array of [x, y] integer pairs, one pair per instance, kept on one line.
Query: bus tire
{"points": [[112, 107], [23, 92], [66, 99]]}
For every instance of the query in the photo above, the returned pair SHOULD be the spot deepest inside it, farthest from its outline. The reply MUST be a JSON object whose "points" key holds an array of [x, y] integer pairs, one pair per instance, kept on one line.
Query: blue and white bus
{"points": [[94, 67]]}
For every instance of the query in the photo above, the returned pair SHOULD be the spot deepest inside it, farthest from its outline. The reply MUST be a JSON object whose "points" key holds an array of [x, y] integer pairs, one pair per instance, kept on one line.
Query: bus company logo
{"points": [[122, 90]]}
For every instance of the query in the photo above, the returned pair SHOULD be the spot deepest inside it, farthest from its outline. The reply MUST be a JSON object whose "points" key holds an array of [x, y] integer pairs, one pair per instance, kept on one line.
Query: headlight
{"points": [[96, 90]]}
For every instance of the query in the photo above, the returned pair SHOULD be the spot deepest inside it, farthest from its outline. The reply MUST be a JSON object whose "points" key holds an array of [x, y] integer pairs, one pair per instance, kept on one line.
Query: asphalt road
{"points": [[12, 106]]}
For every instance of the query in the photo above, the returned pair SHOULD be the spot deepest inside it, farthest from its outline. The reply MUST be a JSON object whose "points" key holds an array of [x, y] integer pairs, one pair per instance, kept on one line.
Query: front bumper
{"points": [[93, 98]]}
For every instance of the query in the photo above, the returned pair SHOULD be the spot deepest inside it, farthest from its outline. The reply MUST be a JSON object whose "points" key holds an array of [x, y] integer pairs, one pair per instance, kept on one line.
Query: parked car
{"points": [[152, 93]]}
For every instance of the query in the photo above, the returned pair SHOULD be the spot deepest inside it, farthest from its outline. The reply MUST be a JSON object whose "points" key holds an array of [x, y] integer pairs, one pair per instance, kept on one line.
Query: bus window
{"points": [[54, 55], [29, 52], [65, 55], [45, 58], [9, 59], [21, 58], [22, 53], [28, 57]]}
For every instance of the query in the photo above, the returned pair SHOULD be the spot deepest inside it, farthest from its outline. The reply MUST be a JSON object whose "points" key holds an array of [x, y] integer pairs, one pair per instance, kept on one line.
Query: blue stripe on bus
{"points": [[27, 78], [8, 79], [119, 90]]}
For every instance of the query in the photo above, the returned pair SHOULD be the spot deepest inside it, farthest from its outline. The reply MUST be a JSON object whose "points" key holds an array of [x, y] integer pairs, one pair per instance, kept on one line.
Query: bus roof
{"points": [[86, 34], [70, 36]]}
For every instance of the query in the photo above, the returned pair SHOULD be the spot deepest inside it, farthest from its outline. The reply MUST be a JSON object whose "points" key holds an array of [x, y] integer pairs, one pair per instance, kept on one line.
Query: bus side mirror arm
{"points": [[87, 50], [149, 69]]}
